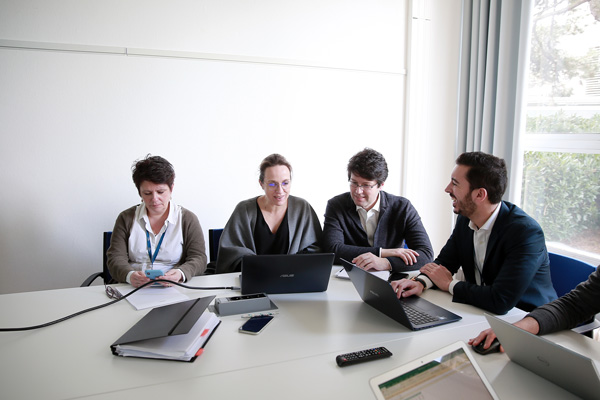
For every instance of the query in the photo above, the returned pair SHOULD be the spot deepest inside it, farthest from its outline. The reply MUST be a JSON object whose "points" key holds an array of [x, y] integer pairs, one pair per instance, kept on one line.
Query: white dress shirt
{"points": [[481, 237], [171, 247], [369, 219]]}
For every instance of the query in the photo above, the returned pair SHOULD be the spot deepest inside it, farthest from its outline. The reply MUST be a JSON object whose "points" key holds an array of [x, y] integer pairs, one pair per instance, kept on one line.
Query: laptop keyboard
{"points": [[417, 317]]}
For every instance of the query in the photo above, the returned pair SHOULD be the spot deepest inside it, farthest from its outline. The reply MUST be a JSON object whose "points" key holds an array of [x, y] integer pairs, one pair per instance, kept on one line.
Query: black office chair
{"points": [[566, 273], [214, 236], [105, 274]]}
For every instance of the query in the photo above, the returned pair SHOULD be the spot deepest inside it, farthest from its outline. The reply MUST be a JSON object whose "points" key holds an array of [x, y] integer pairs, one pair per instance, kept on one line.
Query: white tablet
{"points": [[448, 373]]}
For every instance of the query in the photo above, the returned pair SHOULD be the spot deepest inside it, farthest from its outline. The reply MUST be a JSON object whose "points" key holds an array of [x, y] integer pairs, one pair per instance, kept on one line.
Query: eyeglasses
{"points": [[112, 293], [274, 185], [365, 188]]}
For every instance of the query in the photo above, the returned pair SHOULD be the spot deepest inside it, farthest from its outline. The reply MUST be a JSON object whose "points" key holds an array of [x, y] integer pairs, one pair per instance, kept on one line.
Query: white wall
{"points": [[431, 122], [73, 122]]}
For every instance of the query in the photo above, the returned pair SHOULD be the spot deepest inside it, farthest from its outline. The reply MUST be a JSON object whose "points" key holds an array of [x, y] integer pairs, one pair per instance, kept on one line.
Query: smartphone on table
{"points": [[255, 325]]}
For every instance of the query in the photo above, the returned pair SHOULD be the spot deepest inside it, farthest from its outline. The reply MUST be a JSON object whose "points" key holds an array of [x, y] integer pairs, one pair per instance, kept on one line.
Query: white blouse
{"points": [[171, 247]]}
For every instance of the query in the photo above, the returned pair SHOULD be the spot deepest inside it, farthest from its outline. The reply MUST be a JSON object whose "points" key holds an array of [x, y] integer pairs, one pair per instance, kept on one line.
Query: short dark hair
{"points": [[485, 171], [368, 164], [154, 169], [272, 161]]}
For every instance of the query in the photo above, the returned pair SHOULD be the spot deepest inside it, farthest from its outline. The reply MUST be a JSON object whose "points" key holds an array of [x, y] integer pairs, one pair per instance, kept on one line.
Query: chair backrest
{"points": [[214, 235], [105, 245], [105, 274], [567, 272]]}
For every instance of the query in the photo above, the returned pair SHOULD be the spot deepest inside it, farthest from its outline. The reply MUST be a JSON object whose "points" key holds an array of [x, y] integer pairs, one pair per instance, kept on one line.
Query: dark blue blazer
{"points": [[398, 221], [516, 269]]}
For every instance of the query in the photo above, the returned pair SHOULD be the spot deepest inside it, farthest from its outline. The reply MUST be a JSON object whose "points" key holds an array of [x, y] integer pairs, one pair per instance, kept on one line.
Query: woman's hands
{"points": [[138, 278]]}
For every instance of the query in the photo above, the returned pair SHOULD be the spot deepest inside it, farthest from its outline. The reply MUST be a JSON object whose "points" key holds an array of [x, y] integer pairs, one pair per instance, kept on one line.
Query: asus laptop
{"points": [[286, 273], [566, 368], [413, 312]]}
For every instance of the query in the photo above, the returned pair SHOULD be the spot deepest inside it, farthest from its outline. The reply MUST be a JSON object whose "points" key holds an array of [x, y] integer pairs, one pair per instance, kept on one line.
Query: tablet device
{"points": [[448, 373]]}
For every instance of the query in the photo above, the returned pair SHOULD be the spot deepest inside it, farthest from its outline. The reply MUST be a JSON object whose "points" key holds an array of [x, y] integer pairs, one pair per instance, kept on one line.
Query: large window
{"points": [[561, 167]]}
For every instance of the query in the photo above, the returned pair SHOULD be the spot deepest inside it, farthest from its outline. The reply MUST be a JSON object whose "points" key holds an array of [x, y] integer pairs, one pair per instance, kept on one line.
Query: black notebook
{"points": [[176, 332]]}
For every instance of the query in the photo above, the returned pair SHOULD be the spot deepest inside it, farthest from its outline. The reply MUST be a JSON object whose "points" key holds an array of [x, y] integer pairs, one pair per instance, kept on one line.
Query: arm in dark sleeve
{"points": [[416, 238], [458, 244], [517, 258], [572, 309]]}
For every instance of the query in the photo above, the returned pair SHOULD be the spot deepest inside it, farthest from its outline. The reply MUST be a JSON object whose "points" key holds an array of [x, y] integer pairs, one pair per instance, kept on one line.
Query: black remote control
{"points": [[362, 356]]}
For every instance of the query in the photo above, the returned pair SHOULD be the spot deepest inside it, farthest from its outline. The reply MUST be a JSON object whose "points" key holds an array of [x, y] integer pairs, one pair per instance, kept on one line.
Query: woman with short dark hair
{"points": [[157, 234]]}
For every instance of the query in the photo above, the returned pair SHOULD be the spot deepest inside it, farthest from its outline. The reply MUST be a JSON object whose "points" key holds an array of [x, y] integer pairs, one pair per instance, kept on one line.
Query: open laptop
{"points": [[448, 373], [413, 312], [566, 368], [286, 273]]}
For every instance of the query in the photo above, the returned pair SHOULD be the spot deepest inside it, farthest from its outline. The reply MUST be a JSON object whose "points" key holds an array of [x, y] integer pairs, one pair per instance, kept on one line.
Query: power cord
{"points": [[29, 328]]}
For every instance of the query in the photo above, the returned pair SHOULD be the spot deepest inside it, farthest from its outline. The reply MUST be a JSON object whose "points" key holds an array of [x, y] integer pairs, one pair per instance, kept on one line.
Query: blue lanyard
{"points": [[152, 258]]}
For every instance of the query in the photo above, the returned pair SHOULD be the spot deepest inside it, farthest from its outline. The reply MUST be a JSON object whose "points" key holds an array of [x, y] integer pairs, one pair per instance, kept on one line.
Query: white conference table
{"points": [[293, 358]]}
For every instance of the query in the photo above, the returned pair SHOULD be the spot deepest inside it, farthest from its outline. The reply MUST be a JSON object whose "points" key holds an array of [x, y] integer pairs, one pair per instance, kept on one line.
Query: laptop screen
{"points": [[286, 273]]}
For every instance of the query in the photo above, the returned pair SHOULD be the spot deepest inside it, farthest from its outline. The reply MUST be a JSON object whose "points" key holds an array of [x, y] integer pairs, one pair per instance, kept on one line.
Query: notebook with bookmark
{"points": [[176, 332]]}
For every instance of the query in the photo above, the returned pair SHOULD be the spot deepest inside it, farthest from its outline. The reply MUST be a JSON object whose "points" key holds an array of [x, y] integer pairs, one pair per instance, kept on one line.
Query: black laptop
{"points": [[286, 273], [413, 312]]}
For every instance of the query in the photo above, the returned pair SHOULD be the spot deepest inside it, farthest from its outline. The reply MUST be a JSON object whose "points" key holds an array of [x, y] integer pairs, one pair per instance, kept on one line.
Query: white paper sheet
{"points": [[150, 297], [380, 274]]}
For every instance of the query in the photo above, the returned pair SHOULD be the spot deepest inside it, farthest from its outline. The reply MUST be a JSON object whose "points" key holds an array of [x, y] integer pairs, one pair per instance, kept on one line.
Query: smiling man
{"points": [[369, 226], [501, 249]]}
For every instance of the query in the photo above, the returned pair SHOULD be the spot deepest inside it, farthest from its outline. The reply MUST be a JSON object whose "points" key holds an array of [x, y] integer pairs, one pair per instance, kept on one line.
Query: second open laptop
{"points": [[413, 312], [566, 368], [286, 273]]}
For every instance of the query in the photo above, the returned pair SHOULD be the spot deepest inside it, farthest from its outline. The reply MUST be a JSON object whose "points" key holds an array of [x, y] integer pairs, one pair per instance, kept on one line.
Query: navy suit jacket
{"points": [[516, 269], [398, 221]]}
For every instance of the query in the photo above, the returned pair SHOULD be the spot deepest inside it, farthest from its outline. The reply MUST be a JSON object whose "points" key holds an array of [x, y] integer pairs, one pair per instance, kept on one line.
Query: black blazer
{"points": [[516, 269], [398, 221]]}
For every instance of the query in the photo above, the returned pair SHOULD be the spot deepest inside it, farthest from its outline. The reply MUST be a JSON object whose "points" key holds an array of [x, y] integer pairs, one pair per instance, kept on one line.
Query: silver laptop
{"points": [[286, 273], [413, 312], [566, 368]]}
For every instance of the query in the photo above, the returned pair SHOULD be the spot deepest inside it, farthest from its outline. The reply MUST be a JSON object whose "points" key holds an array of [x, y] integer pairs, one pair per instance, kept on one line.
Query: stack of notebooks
{"points": [[176, 332]]}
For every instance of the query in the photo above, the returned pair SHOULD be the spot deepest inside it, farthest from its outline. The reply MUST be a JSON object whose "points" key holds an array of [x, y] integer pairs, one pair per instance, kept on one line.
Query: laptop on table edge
{"points": [[286, 273], [380, 295], [566, 368]]}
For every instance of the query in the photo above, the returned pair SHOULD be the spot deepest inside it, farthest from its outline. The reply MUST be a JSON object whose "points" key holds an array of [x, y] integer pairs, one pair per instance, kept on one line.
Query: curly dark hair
{"points": [[368, 164], [485, 171], [154, 169], [272, 161]]}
